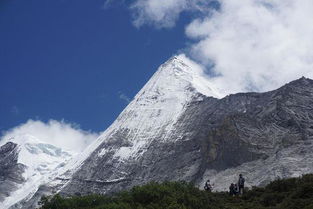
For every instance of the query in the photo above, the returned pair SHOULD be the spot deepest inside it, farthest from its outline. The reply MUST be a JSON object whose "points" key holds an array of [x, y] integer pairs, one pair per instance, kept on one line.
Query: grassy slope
{"points": [[293, 193]]}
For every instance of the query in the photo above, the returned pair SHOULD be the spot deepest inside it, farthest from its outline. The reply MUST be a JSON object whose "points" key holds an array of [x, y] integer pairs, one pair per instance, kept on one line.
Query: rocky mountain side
{"points": [[10, 170], [262, 135], [178, 128]]}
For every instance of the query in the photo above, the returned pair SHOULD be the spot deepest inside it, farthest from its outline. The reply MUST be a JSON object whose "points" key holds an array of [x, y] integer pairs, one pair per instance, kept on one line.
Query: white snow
{"points": [[163, 99], [102, 152], [200, 80], [43, 162], [129, 152], [159, 104]]}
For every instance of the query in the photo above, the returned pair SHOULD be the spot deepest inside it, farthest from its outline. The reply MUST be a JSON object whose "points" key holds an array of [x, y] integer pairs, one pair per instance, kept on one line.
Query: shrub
{"points": [[294, 193], [282, 185], [272, 199]]}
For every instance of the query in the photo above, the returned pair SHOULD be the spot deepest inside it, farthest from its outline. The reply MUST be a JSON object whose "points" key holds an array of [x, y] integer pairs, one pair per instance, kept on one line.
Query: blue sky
{"points": [[80, 62], [73, 60]]}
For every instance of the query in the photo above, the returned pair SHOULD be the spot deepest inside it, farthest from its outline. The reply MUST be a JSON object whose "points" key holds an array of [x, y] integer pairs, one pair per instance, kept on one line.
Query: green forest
{"points": [[292, 193]]}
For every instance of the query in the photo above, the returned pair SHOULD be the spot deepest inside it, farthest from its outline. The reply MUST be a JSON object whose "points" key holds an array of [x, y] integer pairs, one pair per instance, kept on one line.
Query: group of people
{"points": [[237, 188], [234, 189]]}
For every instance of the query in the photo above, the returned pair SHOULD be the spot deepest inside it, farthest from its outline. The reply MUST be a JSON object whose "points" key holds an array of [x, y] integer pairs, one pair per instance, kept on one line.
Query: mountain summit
{"points": [[178, 128], [25, 164], [153, 118]]}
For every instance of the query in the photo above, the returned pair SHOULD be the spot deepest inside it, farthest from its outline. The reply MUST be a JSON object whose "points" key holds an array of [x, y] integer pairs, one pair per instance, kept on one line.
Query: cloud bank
{"points": [[247, 45], [58, 133]]}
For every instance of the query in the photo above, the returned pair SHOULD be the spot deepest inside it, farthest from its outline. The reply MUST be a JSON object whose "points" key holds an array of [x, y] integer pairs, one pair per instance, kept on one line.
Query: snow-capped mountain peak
{"points": [[155, 110], [178, 75], [160, 103], [41, 163]]}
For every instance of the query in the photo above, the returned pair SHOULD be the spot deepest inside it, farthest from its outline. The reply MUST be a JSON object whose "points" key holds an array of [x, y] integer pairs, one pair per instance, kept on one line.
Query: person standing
{"points": [[241, 184]]}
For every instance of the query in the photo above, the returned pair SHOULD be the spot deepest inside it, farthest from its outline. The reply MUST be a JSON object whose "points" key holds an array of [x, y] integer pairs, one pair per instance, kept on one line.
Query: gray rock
{"points": [[211, 135], [10, 170]]}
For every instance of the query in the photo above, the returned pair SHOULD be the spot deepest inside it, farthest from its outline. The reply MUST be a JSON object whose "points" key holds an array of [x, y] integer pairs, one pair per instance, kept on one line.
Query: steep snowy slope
{"points": [[32, 162], [151, 117], [156, 108], [159, 104]]}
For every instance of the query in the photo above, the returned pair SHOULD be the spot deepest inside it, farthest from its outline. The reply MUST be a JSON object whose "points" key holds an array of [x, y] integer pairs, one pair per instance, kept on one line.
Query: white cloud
{"points": [[60, 134], [124, 97], [164, 13], [253, 45]]}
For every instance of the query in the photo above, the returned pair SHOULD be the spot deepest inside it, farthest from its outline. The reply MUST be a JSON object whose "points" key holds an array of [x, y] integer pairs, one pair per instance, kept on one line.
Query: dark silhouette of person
{"points": [[232, 191], [236, 189], [241, 184], [208, 186]]}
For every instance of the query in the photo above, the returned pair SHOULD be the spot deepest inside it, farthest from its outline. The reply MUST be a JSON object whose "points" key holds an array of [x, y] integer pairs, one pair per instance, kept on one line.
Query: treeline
{"points": [[293, 193]]}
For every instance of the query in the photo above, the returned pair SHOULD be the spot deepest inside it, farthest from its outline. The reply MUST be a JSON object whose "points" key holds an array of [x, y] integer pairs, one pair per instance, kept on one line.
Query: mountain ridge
{"points": [[175, 130]]}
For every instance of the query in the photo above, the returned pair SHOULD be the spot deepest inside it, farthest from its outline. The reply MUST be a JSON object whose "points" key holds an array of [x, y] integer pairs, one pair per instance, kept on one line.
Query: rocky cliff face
{"points": [[177, 128], [10, 170], [262, 135]]}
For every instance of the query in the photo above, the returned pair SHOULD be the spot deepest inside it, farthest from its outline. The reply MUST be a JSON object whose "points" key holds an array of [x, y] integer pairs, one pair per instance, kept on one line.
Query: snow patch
{"points": [[199, 80], [102, 152], [125, 153]]}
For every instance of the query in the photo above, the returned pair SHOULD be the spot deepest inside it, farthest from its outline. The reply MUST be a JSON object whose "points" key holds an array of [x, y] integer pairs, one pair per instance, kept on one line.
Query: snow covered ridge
{"points": [[42, 161]]}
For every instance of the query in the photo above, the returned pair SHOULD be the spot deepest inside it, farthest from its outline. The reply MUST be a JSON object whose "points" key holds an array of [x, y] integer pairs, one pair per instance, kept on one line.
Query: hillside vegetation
{"points": [[293, 193]]}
